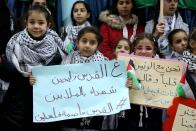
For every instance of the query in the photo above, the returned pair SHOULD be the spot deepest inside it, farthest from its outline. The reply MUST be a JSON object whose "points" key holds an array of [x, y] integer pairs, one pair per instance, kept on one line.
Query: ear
{"points": [[191, 43], [49, 25], [88, 15]]}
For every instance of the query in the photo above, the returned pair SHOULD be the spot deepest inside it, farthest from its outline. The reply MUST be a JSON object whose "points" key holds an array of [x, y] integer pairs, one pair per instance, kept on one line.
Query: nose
{"points": [[79, 12], [87, 45], [143, 50], [124, 5], [36, 25], [184, 43]]}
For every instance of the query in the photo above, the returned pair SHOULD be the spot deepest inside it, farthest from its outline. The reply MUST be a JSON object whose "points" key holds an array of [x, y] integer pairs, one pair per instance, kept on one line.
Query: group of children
{"points": [[39, 45]]}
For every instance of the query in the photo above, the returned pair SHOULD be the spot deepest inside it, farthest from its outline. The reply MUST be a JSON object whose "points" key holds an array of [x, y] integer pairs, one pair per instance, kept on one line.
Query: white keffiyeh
{"points": [[171, 22], [25, 52], [76, 58], [72, 31]]}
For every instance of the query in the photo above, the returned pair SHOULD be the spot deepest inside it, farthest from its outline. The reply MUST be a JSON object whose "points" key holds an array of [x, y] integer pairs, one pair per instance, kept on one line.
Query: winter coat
{"points": [[112, 31]]}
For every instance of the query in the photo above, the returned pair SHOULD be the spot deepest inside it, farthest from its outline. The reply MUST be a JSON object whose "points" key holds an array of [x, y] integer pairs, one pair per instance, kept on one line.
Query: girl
{"points": [[178, 41], [80, 16], [88, 41], [36, 45], [123, 46], [189, 56], [141, 118], [117, 23]]}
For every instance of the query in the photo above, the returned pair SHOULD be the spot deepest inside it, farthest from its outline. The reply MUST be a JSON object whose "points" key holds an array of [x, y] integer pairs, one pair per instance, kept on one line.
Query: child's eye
{"points": [[84, 41], [92, 42], [178, 41], [148, 48], [31, 22], [41, 23], [83, 10], [139, 48], [119, 47], [75, 11], [127, 48]]}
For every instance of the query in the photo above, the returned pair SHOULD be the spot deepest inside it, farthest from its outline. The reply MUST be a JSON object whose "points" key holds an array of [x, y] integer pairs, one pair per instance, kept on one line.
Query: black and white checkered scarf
{"points": [[76, 58], [190, 59], [26, 53], [72, 31]]}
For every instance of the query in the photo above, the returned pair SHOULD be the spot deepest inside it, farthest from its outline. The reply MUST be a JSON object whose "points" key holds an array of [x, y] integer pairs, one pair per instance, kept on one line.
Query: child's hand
{"points": [[129, 83], [159, 30], [32, 80]]}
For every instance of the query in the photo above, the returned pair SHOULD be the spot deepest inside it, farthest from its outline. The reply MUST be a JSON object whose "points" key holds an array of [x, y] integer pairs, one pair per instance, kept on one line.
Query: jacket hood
{"points": [[115, 21]]}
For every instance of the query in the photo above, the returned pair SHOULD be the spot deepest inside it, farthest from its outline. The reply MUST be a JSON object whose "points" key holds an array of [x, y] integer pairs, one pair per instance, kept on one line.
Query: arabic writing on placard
{"points": [[159, 79], [185, 119], [69, 92]]}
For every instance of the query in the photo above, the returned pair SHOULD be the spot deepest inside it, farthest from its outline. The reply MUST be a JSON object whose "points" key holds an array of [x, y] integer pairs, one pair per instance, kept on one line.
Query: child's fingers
{"points": [[129, 83], [32, 80]]}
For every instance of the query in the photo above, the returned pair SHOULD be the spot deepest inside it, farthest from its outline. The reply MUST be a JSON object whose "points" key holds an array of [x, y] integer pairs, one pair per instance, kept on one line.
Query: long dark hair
{"points": [[87, 8]]}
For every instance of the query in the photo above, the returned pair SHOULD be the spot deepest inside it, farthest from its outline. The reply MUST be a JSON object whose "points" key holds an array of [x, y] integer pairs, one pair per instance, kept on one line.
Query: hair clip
{"points": [[49, 12]]}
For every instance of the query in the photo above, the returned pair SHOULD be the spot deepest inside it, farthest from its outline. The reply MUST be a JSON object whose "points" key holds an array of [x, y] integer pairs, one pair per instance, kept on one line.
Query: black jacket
{"points": [[16, 108]]}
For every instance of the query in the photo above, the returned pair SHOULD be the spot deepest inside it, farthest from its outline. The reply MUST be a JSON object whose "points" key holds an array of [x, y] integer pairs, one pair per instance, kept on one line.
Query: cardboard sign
{"points": [[159, 79]]}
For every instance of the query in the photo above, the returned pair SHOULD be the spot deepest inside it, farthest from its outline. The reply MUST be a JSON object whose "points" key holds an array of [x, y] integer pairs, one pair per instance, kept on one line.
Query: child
{"points": [[123, 46], [21, 22], [142, 117], [80, 16], [36, 45], [189, 56], [88, 41], [178, 41], [46, 4]]}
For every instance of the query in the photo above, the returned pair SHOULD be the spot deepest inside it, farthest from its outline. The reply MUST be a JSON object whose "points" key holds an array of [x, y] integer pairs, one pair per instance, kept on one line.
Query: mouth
{"points": [[172, 9], [122, 51]]}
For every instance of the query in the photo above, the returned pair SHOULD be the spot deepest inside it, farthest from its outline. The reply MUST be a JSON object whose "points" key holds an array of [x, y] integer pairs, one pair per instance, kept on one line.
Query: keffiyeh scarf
{"points": [[26, 53], [72, 31], [190, 59], [76, 58]]}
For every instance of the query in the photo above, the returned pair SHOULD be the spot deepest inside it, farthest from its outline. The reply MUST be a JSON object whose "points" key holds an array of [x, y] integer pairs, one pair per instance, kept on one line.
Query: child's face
{"points": [[122, 47], [80, 14], [39, 2], [193, 46], [88, 44], [37, 24], [170, 7], [145, 48], [180, 42], [124, 7]]}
